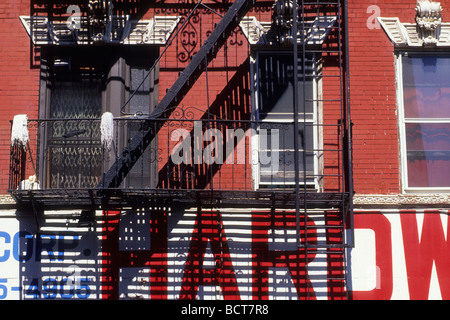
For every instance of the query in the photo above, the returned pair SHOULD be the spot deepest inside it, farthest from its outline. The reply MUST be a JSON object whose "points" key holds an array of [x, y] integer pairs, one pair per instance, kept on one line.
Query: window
{"points": [[72, 136], [275, 115], [77, 86], [144, 173], [425, 121]]}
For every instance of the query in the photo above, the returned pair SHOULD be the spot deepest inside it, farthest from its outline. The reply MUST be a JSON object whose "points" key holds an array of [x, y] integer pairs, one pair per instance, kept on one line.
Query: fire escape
{"points": [[319, 33]]}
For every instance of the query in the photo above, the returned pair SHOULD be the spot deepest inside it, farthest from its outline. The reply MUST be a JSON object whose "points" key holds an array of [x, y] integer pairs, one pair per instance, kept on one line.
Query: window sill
{"points": [[430, 190]]}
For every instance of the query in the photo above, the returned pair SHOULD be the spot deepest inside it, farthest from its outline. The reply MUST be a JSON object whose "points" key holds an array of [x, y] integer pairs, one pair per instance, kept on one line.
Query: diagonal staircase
{"points": [[138, 144]]}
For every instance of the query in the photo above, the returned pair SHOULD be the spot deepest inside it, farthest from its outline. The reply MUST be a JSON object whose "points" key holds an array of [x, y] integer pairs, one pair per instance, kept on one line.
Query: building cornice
{"points": [[427, 32], [121, 30]]}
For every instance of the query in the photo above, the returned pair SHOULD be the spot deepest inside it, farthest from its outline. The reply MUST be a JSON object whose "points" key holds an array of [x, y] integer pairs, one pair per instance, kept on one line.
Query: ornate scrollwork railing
{"points": [[190, 152]]}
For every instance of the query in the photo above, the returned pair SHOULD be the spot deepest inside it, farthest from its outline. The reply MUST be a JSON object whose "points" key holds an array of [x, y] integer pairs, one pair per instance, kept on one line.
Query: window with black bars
{"points": [[275, 114]]}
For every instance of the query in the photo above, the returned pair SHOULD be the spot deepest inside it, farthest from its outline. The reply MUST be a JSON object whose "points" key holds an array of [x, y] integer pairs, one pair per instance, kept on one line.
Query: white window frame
{"points": [[316, 119], [402, 128]]}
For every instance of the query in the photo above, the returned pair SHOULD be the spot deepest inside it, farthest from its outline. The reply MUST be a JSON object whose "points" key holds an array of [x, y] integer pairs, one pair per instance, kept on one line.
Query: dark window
{"points": [[275, 81], [77, 87], [73, 136]]}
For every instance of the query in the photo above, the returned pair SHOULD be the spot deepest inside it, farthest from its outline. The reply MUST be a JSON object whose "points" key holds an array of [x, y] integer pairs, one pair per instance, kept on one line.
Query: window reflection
{"points": [[426, 86], [426, 100], [428, 154]]}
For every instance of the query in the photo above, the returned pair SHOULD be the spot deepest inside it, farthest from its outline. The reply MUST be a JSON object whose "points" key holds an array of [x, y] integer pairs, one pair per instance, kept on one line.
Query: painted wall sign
{"points": [[401, 255], [223, 255]]}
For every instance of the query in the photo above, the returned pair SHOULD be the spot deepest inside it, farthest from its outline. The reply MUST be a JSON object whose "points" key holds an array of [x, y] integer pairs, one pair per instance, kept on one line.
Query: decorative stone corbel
{"points": [[283, 19], [428, 19], [428, 32], [313, 30], [99, 13]]}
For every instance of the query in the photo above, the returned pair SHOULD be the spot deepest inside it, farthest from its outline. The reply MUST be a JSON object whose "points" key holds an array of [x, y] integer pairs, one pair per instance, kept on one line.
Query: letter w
{"points": [[420, 254]]}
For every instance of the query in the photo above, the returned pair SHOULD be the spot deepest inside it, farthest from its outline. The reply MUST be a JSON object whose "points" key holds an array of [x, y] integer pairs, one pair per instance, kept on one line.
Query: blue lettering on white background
{"points": [[6, 253], [23, 245], [23, 251], [49, 288]]}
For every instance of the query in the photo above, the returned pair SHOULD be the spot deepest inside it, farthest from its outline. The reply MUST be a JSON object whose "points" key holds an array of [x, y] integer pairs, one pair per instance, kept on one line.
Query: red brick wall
{"points": [[213, 89], [373, 93], [19, 82], [373, 96]]}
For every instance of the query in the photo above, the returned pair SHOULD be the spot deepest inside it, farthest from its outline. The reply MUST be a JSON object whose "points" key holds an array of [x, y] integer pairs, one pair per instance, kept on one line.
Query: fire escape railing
{"points": [[146, 138], [189, 154]]}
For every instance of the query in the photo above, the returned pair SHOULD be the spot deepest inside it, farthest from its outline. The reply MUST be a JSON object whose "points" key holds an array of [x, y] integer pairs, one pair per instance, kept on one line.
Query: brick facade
{"points": [[19, 77], [373, 95], [372, 78]]}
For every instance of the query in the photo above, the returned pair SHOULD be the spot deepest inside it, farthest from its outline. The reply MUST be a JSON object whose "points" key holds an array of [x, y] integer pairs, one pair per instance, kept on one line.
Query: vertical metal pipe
{"points": [[296, 136], [296, 129], [305, 204], [349, 162], [209, 120], [303, 136]]}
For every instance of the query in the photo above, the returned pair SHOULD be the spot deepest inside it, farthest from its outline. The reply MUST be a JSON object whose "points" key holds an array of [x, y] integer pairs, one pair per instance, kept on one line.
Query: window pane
{"points": [[140, 175], [73, 143], [276, 83], [140, 82], [279, 168], [275, 101], [280, 136], [426, 86], [428, 154]]}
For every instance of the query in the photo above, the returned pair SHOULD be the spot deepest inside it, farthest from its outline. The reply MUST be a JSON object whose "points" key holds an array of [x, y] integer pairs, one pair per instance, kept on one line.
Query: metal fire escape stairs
{"points": [[335, 273], [142, 139], [334, 248]]}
